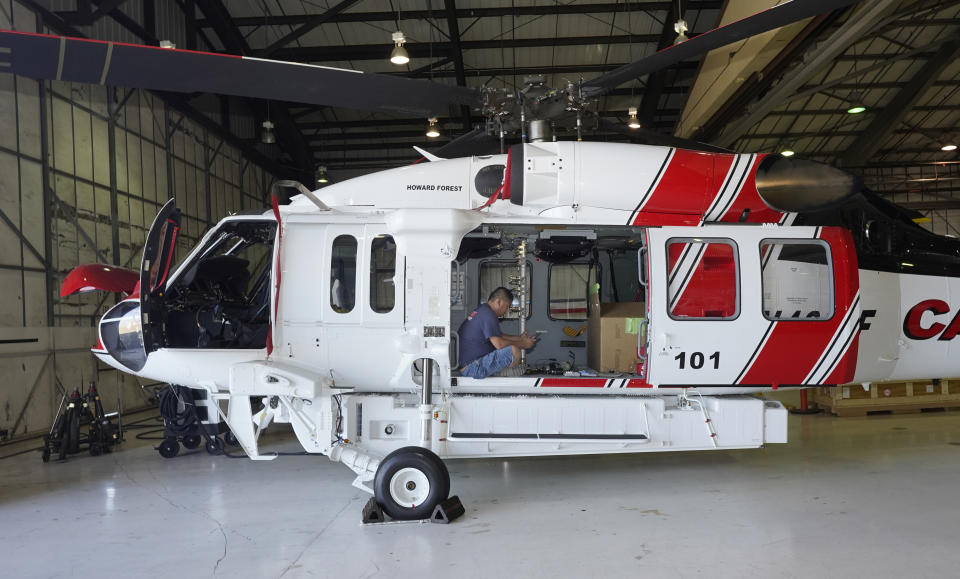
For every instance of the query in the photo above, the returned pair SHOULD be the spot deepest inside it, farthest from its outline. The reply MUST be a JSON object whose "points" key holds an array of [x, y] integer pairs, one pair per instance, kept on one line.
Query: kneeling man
{"points": [[484, 349]]}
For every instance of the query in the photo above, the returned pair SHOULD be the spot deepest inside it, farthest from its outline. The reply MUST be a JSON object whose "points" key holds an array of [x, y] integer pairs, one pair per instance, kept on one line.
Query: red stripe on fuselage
{"points": [[683, 193], [573, 383], [748, 198], [693, 182], [794, 348]]}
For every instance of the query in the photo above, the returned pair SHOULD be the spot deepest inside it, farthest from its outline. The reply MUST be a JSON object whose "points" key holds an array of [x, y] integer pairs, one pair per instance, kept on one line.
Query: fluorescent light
{"points": [[787, 153], [950, 147], [856, 109]]}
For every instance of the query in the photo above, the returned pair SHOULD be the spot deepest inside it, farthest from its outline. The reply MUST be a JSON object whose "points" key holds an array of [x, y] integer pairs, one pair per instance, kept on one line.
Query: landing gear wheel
{"points": [[410, 482], [169, 448], [46, 454], [230, 438], [95, 449], [215, 446], [191, 442]]}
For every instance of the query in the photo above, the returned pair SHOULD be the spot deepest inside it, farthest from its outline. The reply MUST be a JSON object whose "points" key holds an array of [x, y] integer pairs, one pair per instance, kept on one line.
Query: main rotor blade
{"points": [[48, 57], [654, 138], [476, 142], [781, 15]]}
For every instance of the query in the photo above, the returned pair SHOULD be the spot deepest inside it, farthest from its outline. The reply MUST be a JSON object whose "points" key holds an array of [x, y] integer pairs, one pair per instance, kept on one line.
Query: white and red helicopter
{"points": [[339, 310]]}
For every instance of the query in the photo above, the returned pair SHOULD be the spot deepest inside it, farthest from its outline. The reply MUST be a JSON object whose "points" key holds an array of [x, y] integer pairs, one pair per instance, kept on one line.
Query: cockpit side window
{"points": [[222, 299]]}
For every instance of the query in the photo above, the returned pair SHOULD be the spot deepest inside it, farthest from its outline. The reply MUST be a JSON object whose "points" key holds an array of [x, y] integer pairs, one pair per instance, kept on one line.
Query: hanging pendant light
{"points": [[322, 175], [268, 137], [433, 128], [633, 122], [399, 55]]}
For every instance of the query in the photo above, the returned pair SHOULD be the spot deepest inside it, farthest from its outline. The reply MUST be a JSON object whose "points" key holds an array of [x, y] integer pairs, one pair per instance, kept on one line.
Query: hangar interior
{"points": [[84, 168]]}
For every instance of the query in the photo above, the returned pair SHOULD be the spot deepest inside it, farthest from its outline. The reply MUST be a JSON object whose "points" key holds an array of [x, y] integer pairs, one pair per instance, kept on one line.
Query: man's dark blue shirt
{"points": [[475, 333]]}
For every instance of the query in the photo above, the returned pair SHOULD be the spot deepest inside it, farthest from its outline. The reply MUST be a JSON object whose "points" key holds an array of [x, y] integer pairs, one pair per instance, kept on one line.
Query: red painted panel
{"points": [[99, 277]]}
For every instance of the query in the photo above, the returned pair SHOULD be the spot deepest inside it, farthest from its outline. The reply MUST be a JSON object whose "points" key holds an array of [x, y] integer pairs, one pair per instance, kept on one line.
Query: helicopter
{"points": [[721, 275]]}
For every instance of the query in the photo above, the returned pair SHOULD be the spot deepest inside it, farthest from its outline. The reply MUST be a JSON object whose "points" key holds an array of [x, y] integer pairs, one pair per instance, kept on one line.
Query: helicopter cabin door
{"points": [[751, 306]]}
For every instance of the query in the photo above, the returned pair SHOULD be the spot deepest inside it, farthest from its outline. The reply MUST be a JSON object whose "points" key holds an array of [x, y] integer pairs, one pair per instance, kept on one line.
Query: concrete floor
{"points": [[875, 496]]}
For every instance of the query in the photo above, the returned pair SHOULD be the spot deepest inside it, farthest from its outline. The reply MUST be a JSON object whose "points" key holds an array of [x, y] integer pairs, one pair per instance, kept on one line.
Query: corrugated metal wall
{"points": [[158, 154]]}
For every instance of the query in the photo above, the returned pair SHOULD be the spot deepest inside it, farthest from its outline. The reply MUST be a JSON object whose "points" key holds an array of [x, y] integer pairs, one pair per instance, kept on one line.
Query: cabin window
{"points": [[704, 279], [797, 280], [343, 274], [569, 283], [494, 274], [383, 266]]}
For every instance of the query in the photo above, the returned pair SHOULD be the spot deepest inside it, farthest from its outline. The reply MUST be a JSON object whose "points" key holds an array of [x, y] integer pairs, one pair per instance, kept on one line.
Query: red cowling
{"points": [[99, 277]]}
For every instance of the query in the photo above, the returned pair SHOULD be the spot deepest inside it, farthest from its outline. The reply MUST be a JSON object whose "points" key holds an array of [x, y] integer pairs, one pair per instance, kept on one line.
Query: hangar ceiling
{"points": [[789, 89]]}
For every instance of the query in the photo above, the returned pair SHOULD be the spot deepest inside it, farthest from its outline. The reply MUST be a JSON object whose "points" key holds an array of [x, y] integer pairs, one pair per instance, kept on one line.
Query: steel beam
{"points": [[655, 82], [312, 23], [872, 138], [492, 12], [45, 156], [104, 8], [112, 152], [71, 214], [456, 53], [23, 239]]}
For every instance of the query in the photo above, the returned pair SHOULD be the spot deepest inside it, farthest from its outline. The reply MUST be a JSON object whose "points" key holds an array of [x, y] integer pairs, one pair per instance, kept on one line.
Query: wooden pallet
{"points": [[889, 397]]}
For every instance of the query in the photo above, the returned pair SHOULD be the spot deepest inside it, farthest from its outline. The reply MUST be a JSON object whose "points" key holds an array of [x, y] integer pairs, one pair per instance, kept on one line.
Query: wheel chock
{"points": [[372, 513], [447, 511]]}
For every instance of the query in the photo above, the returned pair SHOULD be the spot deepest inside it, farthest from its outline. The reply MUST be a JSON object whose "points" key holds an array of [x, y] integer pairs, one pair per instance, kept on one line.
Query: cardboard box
{"points": [[613, 335]]}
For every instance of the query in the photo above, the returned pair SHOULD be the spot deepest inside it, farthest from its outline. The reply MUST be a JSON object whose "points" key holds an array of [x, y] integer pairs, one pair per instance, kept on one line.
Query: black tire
{"points": [[95, 449], [231, 439], [169, 448], [399, 474], [45, 456], [192, 441], [215, 446]]}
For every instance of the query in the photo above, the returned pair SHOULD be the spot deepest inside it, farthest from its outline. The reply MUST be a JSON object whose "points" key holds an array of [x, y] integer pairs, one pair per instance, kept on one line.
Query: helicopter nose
{"points": [[121, 335]]}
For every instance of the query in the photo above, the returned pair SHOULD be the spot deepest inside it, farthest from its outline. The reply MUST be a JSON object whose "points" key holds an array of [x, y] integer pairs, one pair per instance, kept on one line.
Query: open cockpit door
{"points": [[741, 305], [158, 254]]}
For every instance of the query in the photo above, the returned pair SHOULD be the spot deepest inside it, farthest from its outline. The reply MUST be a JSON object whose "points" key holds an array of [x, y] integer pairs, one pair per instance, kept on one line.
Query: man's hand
{"points": [[527, 341], [524, 341]]}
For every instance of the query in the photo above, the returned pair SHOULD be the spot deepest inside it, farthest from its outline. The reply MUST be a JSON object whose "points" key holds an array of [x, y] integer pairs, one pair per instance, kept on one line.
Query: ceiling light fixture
{"points": [[433, 128], [787, 153], [856, 109], [399, 55], [680, 27], [633, 122], [322, 175], [267, 137], [950, 147]]}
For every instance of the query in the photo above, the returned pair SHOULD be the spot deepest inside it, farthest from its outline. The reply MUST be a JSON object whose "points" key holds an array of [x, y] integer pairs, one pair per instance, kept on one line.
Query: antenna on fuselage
{"points": [[302, 189]]}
